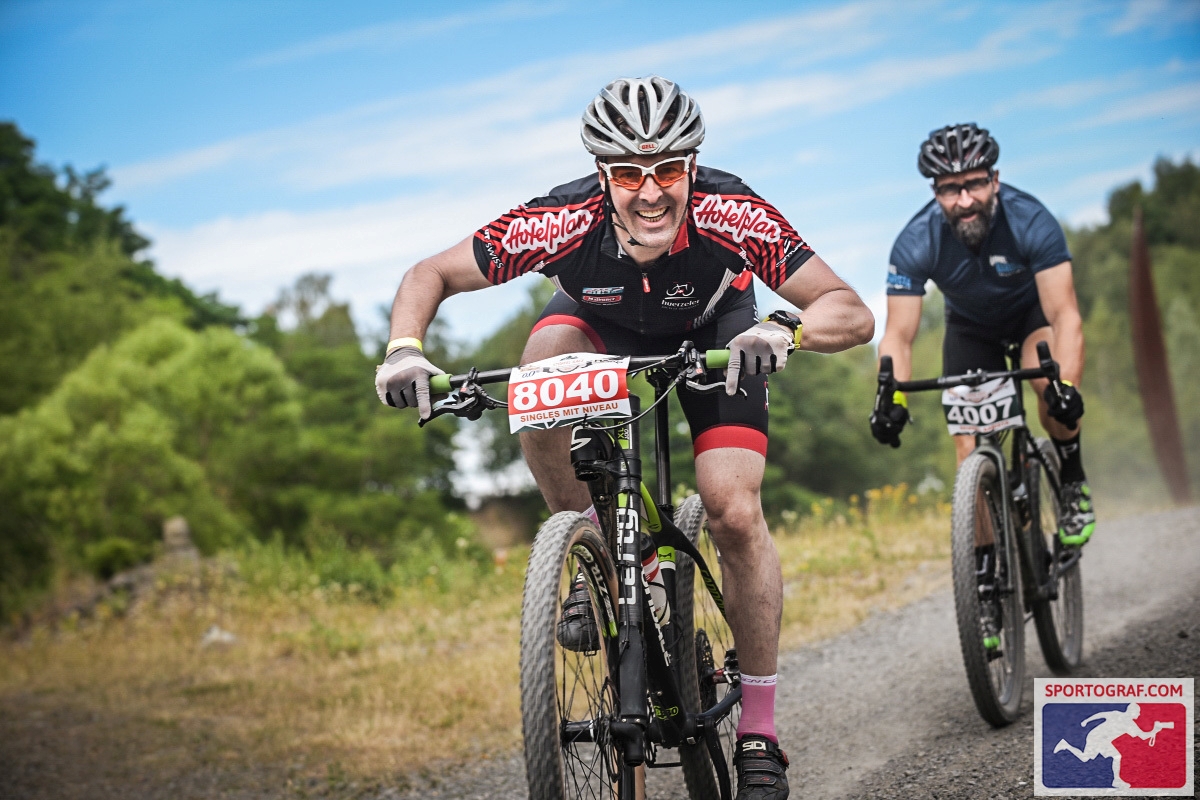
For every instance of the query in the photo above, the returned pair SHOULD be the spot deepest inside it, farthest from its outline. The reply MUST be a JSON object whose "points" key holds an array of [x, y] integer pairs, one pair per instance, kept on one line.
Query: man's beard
{"points": [[973, 233]]}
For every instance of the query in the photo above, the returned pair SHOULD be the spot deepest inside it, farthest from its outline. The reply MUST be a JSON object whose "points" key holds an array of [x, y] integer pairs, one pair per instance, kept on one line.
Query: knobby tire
{"points": [[696, 611], [560, 686], [995, 683], [1059, 622]]}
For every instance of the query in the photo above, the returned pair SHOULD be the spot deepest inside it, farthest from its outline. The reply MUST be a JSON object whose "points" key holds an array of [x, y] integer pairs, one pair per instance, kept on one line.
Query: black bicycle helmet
{"points": [[957, 148]]}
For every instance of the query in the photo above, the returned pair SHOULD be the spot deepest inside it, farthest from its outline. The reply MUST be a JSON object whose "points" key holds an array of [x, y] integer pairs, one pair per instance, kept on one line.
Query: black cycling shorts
{"points": [[716, 419], [969, 345]]}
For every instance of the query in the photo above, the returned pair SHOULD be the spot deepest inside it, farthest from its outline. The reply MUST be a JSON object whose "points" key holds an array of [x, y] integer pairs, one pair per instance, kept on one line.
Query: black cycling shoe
{"points": [[760, 766], [577, 630]]}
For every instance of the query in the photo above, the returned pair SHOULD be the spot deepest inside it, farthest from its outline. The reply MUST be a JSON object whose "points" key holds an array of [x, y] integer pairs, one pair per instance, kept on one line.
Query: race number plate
{"points": [[986, 408], [559, 391]]}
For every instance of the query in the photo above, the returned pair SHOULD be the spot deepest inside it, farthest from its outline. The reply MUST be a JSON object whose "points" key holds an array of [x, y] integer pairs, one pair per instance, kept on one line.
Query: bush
{"points": [[112, 555]]}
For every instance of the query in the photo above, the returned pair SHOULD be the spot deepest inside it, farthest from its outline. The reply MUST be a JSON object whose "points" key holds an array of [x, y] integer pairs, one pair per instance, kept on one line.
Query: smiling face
{"points": [[652, 214]]}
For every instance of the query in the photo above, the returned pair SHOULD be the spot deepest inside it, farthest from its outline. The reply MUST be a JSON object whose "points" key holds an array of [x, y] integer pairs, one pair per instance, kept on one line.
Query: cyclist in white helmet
{"points": [[648, 251]]}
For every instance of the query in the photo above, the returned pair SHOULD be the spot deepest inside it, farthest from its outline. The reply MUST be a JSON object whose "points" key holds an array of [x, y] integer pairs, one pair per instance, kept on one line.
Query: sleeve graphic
{"points": [[531, 239], [753, 228]]}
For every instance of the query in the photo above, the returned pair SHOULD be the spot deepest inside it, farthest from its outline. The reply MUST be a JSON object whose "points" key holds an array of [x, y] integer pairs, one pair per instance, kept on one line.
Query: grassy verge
{"points": [[332, 683]]}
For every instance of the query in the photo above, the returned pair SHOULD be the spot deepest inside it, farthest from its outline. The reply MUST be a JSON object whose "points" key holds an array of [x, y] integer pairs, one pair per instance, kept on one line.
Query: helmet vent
{"points": [[634, 116]]}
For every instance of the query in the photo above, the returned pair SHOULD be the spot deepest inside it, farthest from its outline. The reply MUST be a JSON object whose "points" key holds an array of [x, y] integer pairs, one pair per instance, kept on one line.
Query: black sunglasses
{"points": [[951, 189]]}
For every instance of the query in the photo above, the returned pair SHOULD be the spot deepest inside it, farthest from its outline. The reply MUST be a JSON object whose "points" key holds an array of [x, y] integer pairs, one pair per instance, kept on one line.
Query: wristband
{"points": [[899, 398], [790, 321], [1067, 383], [406, 341]]}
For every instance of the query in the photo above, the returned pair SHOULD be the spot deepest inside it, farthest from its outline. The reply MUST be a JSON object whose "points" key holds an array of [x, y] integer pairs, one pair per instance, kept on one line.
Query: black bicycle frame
{"points": [[650, 706]]}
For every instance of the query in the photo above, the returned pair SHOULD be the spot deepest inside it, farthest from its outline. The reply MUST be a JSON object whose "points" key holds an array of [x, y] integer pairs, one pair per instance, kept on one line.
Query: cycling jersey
{"points": [[993, 286], [730, 235]]}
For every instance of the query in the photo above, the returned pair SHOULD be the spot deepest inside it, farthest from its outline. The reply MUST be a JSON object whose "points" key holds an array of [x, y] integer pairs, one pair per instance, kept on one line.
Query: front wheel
{"points": [[568, 694], [987, 592], [698, 651], [1059, 617]]}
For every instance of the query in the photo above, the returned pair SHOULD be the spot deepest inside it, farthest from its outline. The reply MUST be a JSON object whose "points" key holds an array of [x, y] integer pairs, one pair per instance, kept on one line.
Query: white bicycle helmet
{"points": [[639, 116]]}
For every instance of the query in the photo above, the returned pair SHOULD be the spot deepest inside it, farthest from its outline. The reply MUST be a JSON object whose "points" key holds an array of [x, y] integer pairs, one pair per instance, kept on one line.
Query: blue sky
{"points": [[257, 141]]}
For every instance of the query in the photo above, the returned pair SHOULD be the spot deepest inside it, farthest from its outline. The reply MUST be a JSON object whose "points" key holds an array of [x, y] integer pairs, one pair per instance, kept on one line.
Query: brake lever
{"points": [[705, 388], [468, 400]]}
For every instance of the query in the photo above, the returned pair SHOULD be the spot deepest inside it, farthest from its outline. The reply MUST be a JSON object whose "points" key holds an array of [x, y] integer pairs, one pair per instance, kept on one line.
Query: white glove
{"points": [[761, 349], [402, 380]]}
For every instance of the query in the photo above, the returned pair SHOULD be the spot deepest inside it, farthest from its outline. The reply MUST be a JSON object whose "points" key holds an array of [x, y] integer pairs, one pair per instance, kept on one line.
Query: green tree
{"points": [[372, 476], [69, 278]]}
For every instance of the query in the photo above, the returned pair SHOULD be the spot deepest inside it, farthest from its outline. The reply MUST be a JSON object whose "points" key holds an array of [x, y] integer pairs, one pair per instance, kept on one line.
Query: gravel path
{"points": [[880, 712]]}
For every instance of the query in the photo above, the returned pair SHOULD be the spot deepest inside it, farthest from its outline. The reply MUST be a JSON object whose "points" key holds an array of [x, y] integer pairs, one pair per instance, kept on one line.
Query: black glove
{"points": [[1068, 407], [889, 420]]}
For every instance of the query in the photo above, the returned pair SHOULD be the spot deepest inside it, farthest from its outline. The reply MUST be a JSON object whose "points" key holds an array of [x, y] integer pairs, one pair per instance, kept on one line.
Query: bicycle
{"points": [[594, 718], [1007, 561]]}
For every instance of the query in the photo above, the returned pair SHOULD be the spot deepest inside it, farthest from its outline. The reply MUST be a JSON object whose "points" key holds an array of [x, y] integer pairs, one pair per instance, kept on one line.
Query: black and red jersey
{"points": [[730, 235]]}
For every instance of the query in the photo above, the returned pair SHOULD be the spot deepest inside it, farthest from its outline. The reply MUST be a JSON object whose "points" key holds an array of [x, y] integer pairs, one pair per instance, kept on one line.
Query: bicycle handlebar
{"points": [[1047, 368], [440, 384]]}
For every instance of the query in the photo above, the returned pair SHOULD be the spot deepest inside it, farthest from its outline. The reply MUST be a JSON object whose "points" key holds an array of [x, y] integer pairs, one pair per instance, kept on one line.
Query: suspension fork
{"points": [[989, 448]]}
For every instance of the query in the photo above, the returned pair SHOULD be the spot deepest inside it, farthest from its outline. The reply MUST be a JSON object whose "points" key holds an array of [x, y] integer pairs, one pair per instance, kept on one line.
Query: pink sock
{"points": [[758, 707], [592, 515]]}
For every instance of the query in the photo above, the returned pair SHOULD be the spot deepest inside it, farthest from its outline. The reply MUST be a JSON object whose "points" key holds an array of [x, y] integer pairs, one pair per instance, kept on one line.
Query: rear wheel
{"points": [[698, 650], [1059, 618], [987, 592], [568, 698]]}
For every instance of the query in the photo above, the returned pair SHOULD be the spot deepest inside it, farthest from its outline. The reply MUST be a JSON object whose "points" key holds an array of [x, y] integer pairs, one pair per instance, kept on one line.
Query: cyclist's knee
{"points": [[963, 446], [553, 340], [735, 517]]}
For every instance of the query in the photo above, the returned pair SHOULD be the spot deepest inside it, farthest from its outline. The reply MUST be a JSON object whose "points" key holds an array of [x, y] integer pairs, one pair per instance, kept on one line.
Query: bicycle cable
{"points": [[647, 410]]}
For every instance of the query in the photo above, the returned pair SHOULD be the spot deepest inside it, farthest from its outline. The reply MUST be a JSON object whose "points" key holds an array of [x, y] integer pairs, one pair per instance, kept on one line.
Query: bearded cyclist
{"points": [[1001, 260], [646, 252]]}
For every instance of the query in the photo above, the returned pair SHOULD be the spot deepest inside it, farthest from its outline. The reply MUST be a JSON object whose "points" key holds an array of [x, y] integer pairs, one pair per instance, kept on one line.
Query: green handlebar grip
{"points": [[716, 359], [439, 384]]}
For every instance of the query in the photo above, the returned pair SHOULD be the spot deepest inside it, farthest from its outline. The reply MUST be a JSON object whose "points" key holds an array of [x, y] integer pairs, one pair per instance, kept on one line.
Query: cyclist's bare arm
{"points": [[431, 281], [835, 317], [1056, 290], [903, 321]]}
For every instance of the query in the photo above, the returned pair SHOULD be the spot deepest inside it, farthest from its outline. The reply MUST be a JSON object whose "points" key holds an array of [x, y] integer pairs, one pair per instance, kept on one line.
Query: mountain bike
{"points": [[654, 687], [1007, 561]]}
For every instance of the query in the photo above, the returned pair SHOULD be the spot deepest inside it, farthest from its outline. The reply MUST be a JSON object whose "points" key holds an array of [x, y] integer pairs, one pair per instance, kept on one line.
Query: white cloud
{"points": [[1065, 95], [1160, 14], [393, 34], [1089, 216], [1175, 101]]}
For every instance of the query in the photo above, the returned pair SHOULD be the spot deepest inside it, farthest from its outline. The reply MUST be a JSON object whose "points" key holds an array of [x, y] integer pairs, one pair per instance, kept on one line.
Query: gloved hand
{"points": [[1066, 409], [402, 380], [761, 349], [889, 420]]}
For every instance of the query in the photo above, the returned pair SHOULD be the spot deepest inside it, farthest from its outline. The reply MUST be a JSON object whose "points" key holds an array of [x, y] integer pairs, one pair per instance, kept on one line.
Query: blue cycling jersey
{"points": [[990, 287]]}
